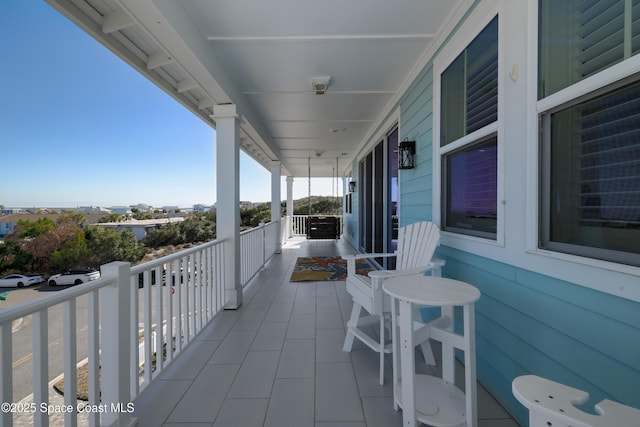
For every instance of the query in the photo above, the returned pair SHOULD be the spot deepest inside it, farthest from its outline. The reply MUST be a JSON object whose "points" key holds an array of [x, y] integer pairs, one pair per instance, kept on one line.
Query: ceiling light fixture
{"points": [[320, 84]]}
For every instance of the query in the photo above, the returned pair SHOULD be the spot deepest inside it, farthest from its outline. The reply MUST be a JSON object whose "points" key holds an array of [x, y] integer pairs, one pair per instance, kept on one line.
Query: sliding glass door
{"points": [[378, 190]]}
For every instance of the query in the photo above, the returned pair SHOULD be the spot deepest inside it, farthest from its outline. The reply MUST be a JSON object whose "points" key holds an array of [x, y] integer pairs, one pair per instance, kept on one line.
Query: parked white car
{"points": [[73, 277], [20, 280]]}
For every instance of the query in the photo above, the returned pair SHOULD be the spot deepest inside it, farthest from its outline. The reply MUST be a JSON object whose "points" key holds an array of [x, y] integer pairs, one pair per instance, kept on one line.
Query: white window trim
{"points": [[479, 19], [604, 276]]}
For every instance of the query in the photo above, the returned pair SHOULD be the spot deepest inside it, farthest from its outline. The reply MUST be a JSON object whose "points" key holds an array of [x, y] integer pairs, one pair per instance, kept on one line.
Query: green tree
{"points": [[113, 217], [71, 218], [107, 245], [13, 257], [129, 249], [26, 228], [198, 228], [163, 236], [141, 215], [75, 253]]}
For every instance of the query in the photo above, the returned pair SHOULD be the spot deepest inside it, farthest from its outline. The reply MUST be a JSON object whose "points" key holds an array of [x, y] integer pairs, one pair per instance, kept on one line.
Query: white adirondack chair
{"points": [[554, 404], [416, 244]]}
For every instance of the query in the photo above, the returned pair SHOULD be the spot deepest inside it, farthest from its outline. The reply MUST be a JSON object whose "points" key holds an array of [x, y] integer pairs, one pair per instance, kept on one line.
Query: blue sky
{"points": [[79, 127]]}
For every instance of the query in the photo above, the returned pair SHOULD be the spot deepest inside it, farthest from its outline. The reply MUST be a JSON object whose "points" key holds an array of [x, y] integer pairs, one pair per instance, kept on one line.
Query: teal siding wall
{"points": [[416, 124], [527, 322]]}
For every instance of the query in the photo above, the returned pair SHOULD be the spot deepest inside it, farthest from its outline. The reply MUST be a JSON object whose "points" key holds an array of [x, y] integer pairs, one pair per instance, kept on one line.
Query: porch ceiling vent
{"points": [[320, 84]]}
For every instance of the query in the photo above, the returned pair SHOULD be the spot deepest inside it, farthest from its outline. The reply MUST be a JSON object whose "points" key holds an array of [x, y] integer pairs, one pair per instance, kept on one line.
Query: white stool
{"points": [[553, 405], [426, 399]]}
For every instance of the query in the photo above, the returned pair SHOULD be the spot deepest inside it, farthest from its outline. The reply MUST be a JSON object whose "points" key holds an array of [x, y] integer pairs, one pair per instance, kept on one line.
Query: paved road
{"points": [[22, 335], [22, 340]]}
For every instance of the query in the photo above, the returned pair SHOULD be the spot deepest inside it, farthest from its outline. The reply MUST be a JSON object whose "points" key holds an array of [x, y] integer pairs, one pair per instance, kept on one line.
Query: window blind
{"points": [[482, 91], [610, 159], [601, 35]]}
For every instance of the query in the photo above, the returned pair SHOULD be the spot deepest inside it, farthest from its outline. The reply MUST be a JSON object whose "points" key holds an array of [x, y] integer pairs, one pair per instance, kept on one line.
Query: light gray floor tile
{"points": [[298, 359], [304, 306], [233, 348], [340, 424], [219, 327], [306, 290], [366, 365], [302, 326], [242, 412], [279, 312], [337, 396], [149, 412], [203, 400], [329, 318], [291, 404], [250, 320], [327, 301], [255, 378], [190, 363], [379, 412], [270, 336], [329, 346], [498, 423]]}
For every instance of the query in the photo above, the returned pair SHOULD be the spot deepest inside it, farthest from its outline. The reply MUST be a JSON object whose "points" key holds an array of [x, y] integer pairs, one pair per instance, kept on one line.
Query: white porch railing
{"points": [[139, 319], [257, 246]]}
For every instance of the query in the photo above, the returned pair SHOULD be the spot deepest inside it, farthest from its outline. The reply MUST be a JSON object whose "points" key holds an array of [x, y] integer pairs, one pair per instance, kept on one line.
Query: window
{"points": [[468, 137], [590, 176], [580, 38], [470, 196]]}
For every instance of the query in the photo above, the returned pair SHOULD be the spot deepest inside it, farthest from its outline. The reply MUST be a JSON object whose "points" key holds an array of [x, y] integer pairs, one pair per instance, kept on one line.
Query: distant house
{"points": [[202, 208], [92, 210], [142, 207], [120, 209], [6, 225], [140, 227], [9, 211]]}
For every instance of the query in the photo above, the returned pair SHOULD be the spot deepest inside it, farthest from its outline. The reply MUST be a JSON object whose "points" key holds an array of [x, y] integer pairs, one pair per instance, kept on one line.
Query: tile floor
{"points": [[278, 361]]}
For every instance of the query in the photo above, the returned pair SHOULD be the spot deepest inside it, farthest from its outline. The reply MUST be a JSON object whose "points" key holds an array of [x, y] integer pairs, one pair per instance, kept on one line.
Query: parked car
{"points": [[20, 280], [73, 277]]}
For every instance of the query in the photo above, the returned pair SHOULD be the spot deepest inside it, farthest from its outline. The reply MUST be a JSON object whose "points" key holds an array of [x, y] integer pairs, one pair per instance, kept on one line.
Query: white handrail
{"points": [[138, 315]]}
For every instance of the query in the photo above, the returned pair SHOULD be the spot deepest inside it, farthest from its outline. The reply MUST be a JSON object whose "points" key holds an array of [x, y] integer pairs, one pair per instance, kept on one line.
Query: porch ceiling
{"points": [[261, 56]]}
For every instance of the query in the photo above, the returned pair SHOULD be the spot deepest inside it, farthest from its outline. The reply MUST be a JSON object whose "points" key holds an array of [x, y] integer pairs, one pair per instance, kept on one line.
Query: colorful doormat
{"points": [[322, 268]]}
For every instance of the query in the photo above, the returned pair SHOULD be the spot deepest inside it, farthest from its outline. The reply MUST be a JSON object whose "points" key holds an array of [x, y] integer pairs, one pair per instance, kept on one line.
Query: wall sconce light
{"points": [[352, 186], [406, 154]]}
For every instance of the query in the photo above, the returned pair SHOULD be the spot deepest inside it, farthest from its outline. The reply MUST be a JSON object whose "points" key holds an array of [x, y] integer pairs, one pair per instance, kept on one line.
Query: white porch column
{"points": [[228, 199], [276, 202], [289, 207]]}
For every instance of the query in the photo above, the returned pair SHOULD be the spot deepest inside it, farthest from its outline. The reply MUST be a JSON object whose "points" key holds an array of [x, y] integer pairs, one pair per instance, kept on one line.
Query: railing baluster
{"points": [[70, 363], [148, 334], [160, 336], [40, 338], [93, 348], [6, 372], [169, 291], [134, 341]]}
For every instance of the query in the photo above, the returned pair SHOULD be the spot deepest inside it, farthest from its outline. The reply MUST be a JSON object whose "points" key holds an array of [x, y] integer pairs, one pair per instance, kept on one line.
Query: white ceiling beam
{"points": [[186, 85], [321, 38], [159, 59], [205, 103], [116, 21]]}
